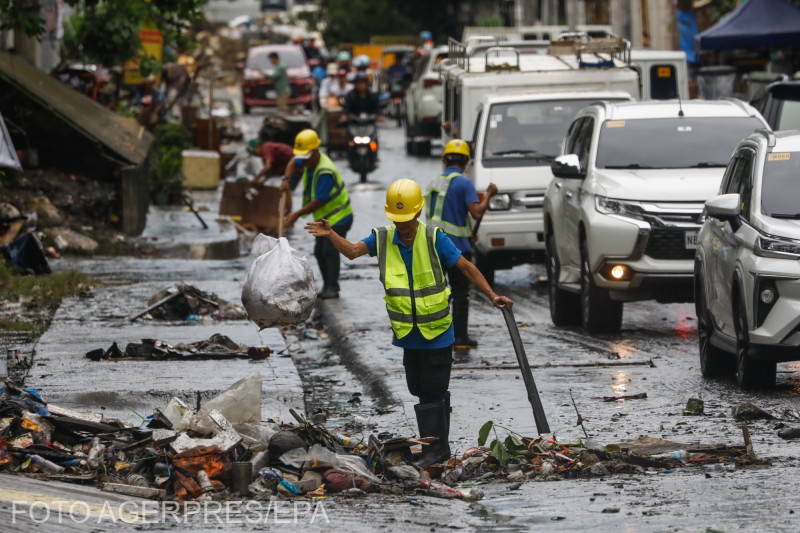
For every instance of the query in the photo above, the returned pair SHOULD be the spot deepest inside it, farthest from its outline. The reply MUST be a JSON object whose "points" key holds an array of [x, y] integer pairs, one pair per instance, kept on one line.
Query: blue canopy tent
{"points": [[755, 24]]}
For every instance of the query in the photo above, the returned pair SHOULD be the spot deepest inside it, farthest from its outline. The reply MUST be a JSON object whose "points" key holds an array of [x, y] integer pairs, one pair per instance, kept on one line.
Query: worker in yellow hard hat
{"points": [[452, 200], [325, 197], [412, 259]]}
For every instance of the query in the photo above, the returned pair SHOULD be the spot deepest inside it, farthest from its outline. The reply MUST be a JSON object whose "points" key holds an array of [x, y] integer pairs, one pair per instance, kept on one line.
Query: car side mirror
{"points": [[725, 207], [568, 167]]}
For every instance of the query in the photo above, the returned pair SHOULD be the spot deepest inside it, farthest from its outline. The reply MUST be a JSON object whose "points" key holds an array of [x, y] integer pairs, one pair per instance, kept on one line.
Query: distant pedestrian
{"points": [[280, 80]]}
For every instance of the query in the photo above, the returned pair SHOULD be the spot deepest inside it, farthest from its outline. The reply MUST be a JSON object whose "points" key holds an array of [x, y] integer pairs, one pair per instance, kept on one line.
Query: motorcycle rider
{"points": [[361, 101]]}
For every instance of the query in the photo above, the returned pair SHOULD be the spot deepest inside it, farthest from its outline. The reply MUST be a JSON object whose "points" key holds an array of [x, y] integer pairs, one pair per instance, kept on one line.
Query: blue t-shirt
{"points": [[459, 195], [448, 255], [323, 193]]}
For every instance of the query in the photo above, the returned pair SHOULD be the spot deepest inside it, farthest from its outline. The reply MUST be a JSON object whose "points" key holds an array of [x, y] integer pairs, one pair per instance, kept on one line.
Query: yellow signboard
{"points": [[152, 46]]}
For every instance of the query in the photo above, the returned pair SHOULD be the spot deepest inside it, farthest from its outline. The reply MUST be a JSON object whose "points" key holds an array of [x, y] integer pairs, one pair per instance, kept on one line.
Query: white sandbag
{"points": [[239, 404], [279, 289]]}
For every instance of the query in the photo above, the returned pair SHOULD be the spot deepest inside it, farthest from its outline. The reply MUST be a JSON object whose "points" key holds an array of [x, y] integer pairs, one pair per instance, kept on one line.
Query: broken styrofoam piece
{"points": [[239, 404], [63, 411], [178, 413], [225, 439], [134, 490]]}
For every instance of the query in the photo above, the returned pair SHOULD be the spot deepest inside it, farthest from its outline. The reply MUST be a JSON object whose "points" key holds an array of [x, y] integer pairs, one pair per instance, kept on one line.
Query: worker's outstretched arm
{"points": [[310, 207], [476, 278], [348, 249], [478, 209]]}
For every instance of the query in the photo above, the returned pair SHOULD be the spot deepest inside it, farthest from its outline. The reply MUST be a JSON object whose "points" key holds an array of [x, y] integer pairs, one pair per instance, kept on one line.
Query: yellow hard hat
{"points": [[456, 146], [306, 142], [403, 200]]}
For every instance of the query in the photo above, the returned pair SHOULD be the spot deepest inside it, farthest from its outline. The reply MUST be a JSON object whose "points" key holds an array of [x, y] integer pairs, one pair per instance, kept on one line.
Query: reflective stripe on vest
{"points": [[338, 205], [440, 185], [429, 309]]}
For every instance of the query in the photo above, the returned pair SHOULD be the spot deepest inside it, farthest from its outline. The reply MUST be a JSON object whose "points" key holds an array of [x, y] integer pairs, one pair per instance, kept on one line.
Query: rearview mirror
{"points": [[568, 167], [723, 207]]}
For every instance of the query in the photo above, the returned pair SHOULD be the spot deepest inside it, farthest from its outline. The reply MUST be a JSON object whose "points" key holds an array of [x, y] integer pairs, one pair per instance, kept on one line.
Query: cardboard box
{"points": [[201, 169]]}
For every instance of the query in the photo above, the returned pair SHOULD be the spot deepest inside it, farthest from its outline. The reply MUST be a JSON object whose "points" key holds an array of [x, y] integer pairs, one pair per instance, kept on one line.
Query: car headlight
{"points": [[361, 140], [777, 248], [610, 206], [500, 202]]}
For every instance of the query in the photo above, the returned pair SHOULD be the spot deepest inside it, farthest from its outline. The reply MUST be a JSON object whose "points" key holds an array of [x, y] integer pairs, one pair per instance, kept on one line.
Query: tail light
{"points": [[427, 83]]}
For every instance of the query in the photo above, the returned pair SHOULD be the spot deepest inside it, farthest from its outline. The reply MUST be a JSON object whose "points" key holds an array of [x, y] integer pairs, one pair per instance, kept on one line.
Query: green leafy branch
{"points": [[512, 447]]}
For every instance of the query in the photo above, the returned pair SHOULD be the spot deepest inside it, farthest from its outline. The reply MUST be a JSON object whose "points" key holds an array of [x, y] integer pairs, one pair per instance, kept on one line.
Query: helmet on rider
{"points": [[361, 62]]}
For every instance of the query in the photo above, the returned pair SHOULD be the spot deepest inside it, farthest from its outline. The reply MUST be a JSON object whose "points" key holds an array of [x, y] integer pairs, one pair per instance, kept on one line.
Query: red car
{"points": [[258, 91]]}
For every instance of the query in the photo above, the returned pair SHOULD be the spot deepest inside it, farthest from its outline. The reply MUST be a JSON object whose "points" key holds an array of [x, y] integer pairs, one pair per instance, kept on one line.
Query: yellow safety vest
{"points": [[338, 205], [440, 185], [429, 308]]}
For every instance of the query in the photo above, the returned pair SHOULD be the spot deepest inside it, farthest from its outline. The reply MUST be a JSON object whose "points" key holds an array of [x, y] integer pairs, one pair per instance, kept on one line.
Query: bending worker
{"points": [[451, 200], [412, 258], [325, 196]]}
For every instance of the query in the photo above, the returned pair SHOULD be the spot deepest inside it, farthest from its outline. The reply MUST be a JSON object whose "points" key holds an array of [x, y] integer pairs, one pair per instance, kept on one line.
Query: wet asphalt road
{"points": [[655, 353], [357, 372]]}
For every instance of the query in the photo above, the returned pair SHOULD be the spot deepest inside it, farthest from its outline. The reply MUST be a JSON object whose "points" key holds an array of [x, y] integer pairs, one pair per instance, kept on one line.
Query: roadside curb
{"points": [[350, 351]]}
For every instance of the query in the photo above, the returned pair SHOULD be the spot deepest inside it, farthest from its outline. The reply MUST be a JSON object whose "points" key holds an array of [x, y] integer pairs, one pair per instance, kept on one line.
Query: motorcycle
{"points": [[362, 152], [397, 95]]}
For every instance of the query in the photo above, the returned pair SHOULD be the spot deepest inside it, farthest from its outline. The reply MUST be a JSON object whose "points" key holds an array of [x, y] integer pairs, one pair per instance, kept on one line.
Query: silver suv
{"points": [[747, 268], [624, 209]]}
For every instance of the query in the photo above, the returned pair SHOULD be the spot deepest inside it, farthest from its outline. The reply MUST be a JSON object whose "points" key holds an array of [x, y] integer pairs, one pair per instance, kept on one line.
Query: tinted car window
{"points": [[663, 82], [780, 185], [671, 142], [790, 115]]}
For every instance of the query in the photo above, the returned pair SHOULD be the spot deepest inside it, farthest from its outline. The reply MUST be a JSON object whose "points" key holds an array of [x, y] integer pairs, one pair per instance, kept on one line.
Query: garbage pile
{"points": [[216, 347], [187, 302], [222, 451], [546, 458]]}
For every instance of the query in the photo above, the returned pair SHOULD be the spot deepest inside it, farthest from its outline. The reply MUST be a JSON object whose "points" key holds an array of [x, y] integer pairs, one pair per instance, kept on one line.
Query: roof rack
{"points": [[457, 53], [501, 52], [580, 44]]}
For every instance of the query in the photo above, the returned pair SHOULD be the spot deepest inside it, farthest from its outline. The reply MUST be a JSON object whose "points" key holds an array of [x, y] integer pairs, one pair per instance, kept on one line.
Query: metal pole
{"points": [[533, 393]]}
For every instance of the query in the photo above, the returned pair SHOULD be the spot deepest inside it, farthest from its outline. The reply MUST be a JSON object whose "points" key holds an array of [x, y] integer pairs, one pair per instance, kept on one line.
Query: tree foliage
{"points": [[106, 31], [359, 20]]}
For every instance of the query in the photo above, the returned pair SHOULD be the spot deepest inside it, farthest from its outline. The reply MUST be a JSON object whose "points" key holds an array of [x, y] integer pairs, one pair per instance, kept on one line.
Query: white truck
{"points": [[515, 110]]}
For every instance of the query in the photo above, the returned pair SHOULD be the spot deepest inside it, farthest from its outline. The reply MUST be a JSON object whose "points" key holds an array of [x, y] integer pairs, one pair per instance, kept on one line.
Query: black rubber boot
{"points": [[461, 325], [432, 421]]}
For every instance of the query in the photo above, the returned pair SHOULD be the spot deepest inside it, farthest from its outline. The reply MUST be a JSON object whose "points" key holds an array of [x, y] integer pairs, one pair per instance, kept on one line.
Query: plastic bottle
{"points": [[204, 481], [95, 455], [674, 455], [44, 465]]}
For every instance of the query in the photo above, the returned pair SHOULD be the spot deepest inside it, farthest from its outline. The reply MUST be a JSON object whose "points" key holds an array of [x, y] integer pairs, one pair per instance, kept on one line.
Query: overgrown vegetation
{"points": [[28, 302], [171, 140]]}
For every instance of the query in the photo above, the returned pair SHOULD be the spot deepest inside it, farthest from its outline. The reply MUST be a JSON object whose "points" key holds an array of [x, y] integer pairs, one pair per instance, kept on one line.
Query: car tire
{"points": [[486, 267], [599, 314], [424, 148], [411, 145], [750, 373], [713, 361], [245, 109], [565, 306]]}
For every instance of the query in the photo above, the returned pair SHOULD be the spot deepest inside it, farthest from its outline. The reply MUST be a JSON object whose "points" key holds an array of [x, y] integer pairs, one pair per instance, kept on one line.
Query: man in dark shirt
{"points": [[360, 100]]}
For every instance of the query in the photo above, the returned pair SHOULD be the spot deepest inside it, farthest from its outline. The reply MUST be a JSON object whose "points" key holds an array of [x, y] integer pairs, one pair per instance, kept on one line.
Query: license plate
{"points": [[272, 95], [691, 240], [361, 150]]}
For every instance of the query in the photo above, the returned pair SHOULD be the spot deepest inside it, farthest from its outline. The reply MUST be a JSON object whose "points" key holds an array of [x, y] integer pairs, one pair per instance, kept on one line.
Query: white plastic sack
{"points": [[279, 289], [239, 404]]}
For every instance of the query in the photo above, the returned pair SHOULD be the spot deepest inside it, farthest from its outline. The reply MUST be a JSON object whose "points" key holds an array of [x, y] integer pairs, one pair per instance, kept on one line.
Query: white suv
{"points": [[623, 211], [424, 103], [747, 268]]}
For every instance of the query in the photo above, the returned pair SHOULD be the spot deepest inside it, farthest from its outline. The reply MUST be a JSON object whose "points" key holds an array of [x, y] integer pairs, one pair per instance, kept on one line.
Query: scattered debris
{"points": [[216, 347], [66, 238], [748, 411], [187, 302], [640, 396], [694, 407]]}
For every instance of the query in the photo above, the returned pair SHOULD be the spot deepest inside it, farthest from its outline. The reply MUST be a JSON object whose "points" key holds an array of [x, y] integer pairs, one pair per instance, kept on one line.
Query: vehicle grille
{"points": [[668, 244]]}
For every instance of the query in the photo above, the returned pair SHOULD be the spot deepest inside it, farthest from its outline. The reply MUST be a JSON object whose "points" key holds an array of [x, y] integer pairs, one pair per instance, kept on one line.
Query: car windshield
{"points": [[529, 130], [290, 58], [780, 185], [672, 142]]}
